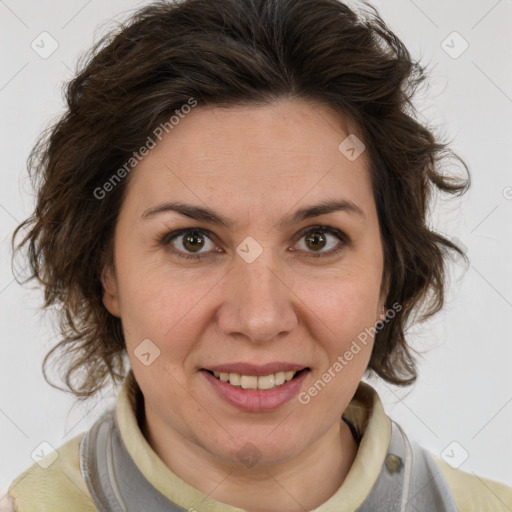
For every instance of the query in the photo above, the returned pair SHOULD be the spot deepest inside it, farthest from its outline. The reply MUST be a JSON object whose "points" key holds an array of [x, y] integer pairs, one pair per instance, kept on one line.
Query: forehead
{"points": [[266, 157]]}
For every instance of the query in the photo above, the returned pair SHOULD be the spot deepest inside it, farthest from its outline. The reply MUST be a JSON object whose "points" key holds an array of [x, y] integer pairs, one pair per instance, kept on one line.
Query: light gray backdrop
{"points": [[461, 406]]}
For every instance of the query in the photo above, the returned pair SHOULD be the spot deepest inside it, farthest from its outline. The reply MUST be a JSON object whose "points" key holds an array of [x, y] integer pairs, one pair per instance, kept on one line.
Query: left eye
{"points": [[195, 239], [319, 236]]}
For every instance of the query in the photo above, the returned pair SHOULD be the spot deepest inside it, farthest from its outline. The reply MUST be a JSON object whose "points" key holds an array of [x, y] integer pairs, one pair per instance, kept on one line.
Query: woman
{"points": [[232, 218]]}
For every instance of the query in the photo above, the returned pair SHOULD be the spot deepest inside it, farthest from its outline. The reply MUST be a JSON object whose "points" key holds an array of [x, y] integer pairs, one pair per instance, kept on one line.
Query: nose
{"points": [[257, 304]]}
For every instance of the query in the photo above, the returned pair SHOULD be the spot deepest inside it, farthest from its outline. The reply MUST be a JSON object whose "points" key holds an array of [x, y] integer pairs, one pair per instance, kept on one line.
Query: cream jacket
{"points": [[61, 488]]}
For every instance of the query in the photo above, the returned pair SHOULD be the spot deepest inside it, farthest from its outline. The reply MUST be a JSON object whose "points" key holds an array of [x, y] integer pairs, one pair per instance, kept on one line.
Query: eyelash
{"points": [[169, 237]]}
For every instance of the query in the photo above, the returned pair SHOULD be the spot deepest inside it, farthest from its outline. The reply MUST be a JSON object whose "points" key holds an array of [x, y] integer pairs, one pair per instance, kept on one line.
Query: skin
{"points": [[253, 165]]}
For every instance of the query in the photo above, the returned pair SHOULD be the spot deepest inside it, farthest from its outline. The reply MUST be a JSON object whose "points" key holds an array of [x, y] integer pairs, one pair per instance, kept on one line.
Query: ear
{"points": [[382, 299], [110, 291]]}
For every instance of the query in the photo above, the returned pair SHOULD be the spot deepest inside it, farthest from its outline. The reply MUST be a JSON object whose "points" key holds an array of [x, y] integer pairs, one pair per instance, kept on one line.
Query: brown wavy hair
{"points": [[227, 53]]}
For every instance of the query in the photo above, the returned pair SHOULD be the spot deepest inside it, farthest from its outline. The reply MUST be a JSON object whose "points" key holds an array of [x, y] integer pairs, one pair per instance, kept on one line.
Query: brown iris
{"points": [[313, 237], [194, 239]]}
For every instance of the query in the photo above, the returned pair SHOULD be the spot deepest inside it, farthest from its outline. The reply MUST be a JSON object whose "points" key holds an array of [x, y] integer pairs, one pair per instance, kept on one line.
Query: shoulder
{"points": [[53, 484], [473, 493]]}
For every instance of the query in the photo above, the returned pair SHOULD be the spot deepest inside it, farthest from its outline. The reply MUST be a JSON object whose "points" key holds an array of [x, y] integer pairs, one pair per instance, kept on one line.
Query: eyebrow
{"points": [[207, 215]]}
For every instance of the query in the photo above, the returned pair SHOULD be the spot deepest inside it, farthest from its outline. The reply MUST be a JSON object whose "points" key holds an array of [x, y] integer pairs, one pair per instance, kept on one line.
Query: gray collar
{"points": [[409, 481]]}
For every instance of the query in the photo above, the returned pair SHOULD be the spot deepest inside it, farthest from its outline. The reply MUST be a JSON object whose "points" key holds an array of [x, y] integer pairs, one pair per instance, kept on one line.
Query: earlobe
{"points": [[383, 298], [110, 291], [382, 315]]}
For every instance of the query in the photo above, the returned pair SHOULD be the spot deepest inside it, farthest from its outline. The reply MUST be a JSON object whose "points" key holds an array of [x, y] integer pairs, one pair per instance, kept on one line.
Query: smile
{"points": [[256, 393], [254, 382]]}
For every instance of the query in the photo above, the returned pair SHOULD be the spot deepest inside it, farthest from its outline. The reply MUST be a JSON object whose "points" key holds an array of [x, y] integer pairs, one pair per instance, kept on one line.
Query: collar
{"points": [[365, 412]]}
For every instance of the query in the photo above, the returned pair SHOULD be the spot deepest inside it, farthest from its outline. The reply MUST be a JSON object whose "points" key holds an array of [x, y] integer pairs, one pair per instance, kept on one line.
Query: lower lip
{"points": [[257, 400]]}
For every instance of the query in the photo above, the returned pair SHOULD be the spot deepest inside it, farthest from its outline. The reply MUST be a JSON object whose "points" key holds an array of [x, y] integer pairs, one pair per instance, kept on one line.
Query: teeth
{"points": [[254, 382], [247, 382], [235, 379]]}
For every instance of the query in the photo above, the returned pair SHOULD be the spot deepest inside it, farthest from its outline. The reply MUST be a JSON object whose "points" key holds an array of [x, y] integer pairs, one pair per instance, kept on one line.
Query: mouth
{"points": [[257, 382], [257, 389]]}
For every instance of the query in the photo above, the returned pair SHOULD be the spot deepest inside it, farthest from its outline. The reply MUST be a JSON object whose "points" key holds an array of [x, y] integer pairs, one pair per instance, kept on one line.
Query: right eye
{"points": [[188, 240]]}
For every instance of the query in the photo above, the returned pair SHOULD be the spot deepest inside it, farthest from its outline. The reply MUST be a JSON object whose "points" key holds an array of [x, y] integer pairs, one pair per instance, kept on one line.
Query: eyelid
{"points": [[321, 227]]}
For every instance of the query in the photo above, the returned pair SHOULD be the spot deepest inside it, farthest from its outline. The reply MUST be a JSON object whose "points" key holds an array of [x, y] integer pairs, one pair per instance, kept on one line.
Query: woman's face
{"points": [[266, 289]]}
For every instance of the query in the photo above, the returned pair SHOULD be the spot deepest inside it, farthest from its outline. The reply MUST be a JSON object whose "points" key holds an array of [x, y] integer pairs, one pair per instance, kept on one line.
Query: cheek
{"points": [[343, 301], [160, 300], [342, 320], [165, 307]]}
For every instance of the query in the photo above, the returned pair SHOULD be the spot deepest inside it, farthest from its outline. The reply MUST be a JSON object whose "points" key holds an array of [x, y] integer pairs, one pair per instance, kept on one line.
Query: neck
{"points": [[262, 488]]}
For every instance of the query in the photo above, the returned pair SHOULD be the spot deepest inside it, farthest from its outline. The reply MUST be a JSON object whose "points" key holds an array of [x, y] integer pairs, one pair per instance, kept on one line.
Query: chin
{"points": [[257, 450]]}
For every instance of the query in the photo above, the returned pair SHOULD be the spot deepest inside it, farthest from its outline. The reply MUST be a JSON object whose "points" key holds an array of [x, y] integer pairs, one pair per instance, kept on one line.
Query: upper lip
{"points": [[256, 370]]}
